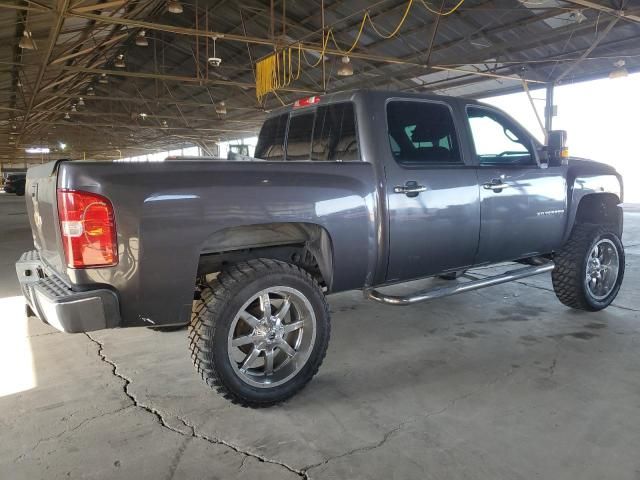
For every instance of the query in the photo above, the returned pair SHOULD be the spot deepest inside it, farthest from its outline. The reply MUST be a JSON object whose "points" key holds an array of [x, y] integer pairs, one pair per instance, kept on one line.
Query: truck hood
{"points": [[591, 166]]}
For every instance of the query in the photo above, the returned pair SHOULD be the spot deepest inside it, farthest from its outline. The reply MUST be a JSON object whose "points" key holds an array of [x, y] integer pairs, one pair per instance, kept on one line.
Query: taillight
{"points": [[88, 228]]}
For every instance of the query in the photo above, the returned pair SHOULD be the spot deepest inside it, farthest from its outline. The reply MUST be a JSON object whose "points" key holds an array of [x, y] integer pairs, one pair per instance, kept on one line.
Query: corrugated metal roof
{"points": [[170, 81]]}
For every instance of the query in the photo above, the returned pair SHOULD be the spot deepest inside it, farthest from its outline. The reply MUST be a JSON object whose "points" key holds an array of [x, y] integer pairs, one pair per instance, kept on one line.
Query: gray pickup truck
{"points": [[354, 190]]}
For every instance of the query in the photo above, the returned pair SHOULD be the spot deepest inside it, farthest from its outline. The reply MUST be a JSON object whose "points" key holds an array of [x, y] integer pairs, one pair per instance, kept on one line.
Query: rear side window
{"points": [[334, 133], [271, 140], [422, 133], [299, 138]]}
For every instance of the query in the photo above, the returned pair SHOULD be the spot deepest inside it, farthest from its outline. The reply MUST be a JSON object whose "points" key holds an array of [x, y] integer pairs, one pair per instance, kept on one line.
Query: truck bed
{"points": [[167, 212]]}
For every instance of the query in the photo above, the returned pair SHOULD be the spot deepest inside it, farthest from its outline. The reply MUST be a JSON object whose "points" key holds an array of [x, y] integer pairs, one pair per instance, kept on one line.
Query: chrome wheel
{"points": [[603, 264], [272, 336]]}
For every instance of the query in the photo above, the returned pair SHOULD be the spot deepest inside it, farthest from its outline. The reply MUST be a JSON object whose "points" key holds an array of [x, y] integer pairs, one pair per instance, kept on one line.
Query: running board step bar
{"points": [[459, 288]]}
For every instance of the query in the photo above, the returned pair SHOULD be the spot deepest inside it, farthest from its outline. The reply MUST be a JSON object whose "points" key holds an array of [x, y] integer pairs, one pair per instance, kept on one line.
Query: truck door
{"points": [[433, 200], [522, 202]]}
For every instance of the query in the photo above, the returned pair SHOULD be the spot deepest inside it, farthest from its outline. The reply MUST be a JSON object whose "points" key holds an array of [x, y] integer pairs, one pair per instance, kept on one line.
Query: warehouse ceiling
{"points": [[125, 77]]}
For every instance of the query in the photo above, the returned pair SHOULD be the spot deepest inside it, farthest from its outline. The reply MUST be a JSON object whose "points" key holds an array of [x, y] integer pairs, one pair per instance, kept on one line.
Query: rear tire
{"points": [[589, 268], [259, 332]]}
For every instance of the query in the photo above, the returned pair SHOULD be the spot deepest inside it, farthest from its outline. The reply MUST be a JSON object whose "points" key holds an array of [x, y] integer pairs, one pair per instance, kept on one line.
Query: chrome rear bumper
{"points": [[53, 301]]}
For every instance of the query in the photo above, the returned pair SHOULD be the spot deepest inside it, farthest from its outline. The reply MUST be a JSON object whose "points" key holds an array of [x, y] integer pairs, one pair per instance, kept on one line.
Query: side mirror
{"points": [[557, 151]]}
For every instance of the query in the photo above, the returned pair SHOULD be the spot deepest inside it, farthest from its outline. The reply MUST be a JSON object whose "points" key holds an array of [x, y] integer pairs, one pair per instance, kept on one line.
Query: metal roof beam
{"points": [[588, 51], [172, 78], [608, 10], [61, 8]]}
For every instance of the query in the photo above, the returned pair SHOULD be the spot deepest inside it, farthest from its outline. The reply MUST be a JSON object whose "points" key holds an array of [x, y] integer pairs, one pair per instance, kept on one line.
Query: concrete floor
{"points": [[502, 383]]}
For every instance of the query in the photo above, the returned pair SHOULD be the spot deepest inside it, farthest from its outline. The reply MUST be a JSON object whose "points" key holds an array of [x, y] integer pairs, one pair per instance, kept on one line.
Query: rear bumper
{"points": [[53, 301]]}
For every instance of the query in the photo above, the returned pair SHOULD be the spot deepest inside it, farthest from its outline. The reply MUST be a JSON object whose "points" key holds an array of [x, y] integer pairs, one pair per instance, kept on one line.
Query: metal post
{"points": [[525, 86], [272, 22], [548, 109], [324, 67]]}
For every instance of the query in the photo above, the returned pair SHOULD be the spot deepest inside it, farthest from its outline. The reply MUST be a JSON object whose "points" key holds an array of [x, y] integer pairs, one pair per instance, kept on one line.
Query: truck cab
{"points": [[460, 183]]}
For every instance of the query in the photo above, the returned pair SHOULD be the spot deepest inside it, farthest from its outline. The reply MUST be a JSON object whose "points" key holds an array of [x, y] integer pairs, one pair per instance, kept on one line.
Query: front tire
{"points": [[589, 268], [260, 332]]}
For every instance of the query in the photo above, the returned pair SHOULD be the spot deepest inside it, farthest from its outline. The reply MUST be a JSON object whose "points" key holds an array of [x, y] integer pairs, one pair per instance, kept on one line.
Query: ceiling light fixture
{"points": [[119, 63], [103, 79], [37, 150], [577, 16], [174, 6], [80, 102], [141, 39], [221, 108], [90, 92], [143, 115], [214, 61], [73, 108], [67, 116], [620, 71], [346, 69], [26, 42], [164, 124]]}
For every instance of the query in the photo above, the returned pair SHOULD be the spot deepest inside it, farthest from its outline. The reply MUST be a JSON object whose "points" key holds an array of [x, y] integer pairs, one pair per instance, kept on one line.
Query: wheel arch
{"points": [[308, 245], [595, 199], [599, 209]]}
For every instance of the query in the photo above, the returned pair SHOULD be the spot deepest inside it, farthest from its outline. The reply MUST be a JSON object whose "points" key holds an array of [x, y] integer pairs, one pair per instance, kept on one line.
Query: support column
{"points": [[549, 108]]}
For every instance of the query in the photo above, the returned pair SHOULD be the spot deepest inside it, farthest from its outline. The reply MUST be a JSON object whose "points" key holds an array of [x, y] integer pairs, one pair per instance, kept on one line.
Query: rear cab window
{"points": [[300, 134], [323, 133], [422, 133], [334, 133], [271, 140]]}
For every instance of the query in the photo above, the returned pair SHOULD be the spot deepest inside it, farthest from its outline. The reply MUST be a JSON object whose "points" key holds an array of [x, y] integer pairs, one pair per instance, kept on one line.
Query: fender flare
{"points": [[583, 187]]}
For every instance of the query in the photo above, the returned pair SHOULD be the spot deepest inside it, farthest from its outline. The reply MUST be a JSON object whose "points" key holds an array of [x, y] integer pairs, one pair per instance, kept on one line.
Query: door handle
{"points": [[496, 184], [410, 189]]}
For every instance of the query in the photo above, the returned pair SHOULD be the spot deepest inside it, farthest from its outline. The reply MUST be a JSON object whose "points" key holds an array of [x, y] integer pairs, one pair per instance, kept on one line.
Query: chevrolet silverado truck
{"points": [[353, 190]]}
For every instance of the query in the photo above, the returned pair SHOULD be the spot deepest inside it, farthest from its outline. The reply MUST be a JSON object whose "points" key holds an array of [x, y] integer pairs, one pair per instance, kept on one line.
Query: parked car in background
{"points": [[15, 183]]}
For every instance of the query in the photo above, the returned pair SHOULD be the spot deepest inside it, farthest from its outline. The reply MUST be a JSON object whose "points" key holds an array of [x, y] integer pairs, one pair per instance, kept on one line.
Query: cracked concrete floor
{"points": [[500, 383]]}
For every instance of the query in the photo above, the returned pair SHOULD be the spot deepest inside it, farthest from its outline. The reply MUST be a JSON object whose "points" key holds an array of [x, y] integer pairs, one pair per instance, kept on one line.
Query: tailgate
{"points": [[41, 198]]}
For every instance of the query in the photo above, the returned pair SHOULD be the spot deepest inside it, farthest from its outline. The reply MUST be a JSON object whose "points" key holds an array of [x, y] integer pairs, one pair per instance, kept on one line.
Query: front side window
{"points": [[422, 133], [334, 133], [497, 140], [271, 139]]}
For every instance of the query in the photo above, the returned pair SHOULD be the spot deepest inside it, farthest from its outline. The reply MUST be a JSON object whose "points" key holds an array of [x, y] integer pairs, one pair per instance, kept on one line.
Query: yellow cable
{"points": [[442, 14], [392, 34], [276, 70]]}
